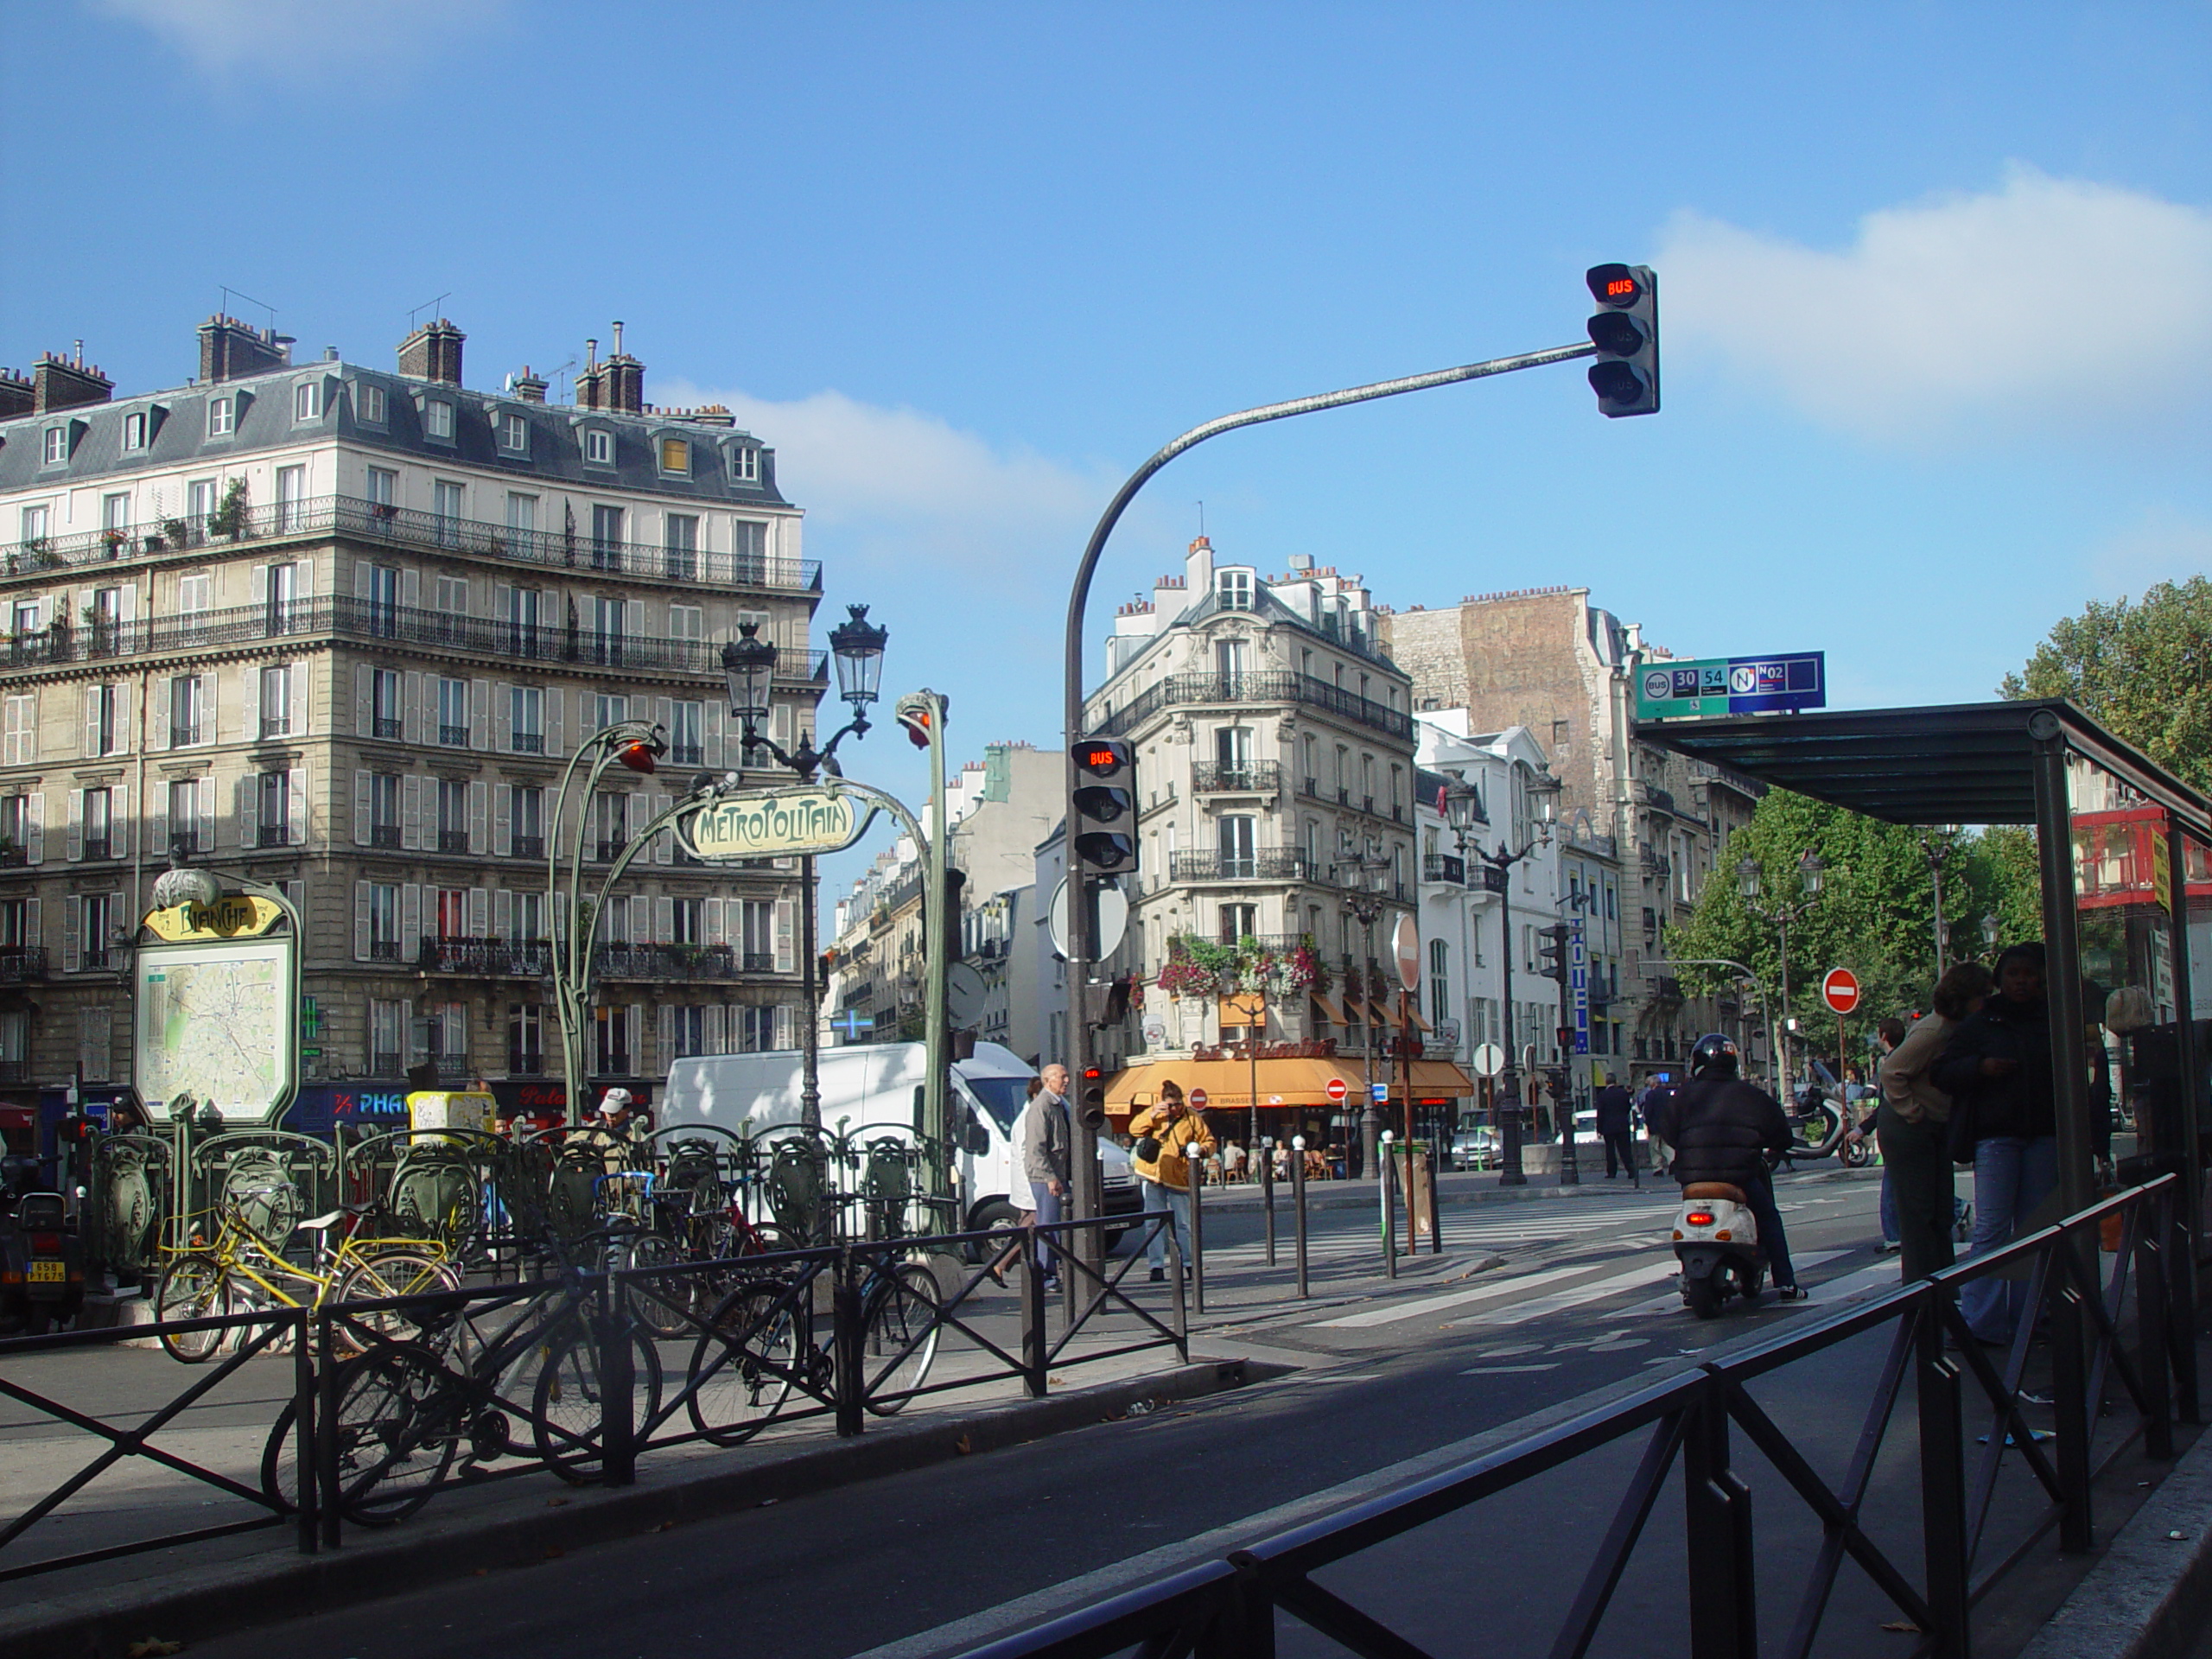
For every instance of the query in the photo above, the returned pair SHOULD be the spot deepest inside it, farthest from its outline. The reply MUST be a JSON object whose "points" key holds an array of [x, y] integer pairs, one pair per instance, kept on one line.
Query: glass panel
{"points": [[2124, 907]]}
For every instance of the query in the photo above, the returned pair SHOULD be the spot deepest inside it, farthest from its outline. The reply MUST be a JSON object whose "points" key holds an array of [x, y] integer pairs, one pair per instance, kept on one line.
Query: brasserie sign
{"points": [[780, 824]]}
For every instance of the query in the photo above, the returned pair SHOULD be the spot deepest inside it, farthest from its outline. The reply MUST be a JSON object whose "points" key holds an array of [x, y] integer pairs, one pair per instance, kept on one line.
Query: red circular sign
{"points": [[1198, 1100], [1841, 987], [1337, 1091]]}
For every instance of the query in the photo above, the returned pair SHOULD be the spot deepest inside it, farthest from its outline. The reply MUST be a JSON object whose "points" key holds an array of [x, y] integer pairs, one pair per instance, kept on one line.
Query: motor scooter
{"points": [[1717, 1241], [41, 1260]]}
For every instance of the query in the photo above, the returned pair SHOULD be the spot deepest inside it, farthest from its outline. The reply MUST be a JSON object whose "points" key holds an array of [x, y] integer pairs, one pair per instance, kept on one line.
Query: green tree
{"points": [[2143, 670]]}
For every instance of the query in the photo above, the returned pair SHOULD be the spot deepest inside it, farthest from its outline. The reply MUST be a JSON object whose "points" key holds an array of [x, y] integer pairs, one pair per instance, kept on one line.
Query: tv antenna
{"points": [[428, 305], [249, 300]]}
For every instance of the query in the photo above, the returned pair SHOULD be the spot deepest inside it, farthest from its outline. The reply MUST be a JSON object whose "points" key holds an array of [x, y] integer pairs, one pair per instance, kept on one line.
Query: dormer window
{"points": [[222, 416], [134, 430], [514, 435], [437, 419], [599, 446], [57, 445], [369, 405], [1233, 589], [745, 464], [676, 457], [307, 401]]}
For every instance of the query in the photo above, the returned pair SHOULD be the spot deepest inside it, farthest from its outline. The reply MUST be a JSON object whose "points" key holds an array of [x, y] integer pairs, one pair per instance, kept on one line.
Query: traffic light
{"points": [[1625, 331], [917, 721], [1104, 833], [1551, 954]]}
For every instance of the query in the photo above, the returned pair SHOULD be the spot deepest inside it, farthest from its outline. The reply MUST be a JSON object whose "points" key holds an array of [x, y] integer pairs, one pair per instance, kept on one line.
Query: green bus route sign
{"points": [[1730, 685]]}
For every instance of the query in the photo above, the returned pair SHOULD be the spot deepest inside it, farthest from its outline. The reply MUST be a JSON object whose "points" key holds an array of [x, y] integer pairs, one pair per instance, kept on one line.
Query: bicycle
{"points": [[242, 1271], [406, 1409]]}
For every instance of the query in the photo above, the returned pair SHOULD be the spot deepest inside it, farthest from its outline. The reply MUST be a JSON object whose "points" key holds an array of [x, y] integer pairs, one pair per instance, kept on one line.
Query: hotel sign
{"points": [[780, 823]]}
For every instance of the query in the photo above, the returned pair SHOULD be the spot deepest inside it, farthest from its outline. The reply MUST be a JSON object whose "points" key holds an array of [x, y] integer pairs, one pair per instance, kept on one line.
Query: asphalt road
{"points": [[1579, 1303]]}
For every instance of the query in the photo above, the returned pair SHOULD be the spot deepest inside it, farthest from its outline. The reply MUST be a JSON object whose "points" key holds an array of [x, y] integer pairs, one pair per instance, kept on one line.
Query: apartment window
{"points": [[1239, 922], [523, 612], [453, 816], [24, 619], [611, 1050], [681, 532], [1233, 589], [525, 1039], [222, 414], [384, 922], [611, 819], [686, 622], [748, 543], [757, 937], [99, 931], [598, 447], [1238, 840], [387, 1029], [514, 435], [199, 503], [100, 823], [676, 457], [521, 514], [307, 401], [445, 499], [14, 828], [102, 723], [384, 718], [1439, 982], [37, 522], [383, 809], [686, 1029], [526, 720], [57, 445], [612, 711], [453, 913], [605, 538], [195, 593], [16, 925], [452, 713], [529, 828], [184, 816], [273, 814], [188, 702], [745, 464], [384, 601], [277, 701], [453, 595], [1228, 661], [134, 430], [683, 922], [369, 404], [686, 720], [383, 488], [437, 419]]}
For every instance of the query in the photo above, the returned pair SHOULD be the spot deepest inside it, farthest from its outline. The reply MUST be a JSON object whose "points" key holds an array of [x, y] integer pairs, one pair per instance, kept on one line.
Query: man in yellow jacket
{"points": [[1175, 1135]]}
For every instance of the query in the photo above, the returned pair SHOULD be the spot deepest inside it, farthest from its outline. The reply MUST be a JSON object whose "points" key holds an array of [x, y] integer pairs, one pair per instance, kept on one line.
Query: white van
{"points": [[874, 1084]]}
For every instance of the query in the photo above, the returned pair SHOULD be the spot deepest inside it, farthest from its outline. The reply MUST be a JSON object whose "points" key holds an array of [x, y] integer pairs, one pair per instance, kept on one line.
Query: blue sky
{"points": [[1934, 282]]}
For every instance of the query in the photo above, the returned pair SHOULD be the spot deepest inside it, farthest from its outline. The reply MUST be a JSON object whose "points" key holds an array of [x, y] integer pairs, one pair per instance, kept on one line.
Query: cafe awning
{"points": [[1299, 1083]]}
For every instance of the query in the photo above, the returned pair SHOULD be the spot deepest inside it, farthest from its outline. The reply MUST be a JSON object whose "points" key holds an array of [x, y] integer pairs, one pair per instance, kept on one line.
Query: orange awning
{"points": [[1335, 1015], [1299, 1083]]}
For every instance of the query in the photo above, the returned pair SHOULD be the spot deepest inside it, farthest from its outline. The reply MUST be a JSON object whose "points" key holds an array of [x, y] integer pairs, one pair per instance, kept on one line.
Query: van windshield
{"points": [[1002, 1097]]}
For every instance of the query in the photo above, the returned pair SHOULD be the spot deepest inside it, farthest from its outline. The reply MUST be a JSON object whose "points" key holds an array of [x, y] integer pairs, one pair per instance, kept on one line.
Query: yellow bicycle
{"points": [[242, 1271]]}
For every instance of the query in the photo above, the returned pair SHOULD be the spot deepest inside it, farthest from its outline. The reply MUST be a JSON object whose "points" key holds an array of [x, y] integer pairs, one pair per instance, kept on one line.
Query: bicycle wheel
{"points": [[566, 1406], [660, 1305], [741, 1370], [193, 1287], [897, 1337], [380, 1277], [400, 1414]]}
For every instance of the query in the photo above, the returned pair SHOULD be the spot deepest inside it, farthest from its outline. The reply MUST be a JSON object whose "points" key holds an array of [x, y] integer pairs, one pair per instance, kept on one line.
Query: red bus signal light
{"points": [[1625, 331]]}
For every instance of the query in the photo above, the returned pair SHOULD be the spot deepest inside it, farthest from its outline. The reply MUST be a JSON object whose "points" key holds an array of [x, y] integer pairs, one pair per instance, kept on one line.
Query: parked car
{"points": [[1476, 1149]]}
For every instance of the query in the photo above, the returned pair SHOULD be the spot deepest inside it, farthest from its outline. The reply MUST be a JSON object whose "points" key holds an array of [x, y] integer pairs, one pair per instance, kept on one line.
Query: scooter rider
{"points": [[1720, 1128]]}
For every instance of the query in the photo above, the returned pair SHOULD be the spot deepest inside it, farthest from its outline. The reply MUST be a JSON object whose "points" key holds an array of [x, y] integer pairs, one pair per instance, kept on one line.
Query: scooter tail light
{"points": [[47, 1244], [1725, 1235], [1700, 1218]]}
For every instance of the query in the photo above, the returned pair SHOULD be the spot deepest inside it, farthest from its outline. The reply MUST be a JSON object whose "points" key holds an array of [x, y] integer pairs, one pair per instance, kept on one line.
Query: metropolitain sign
{"points": [[780, 823]]}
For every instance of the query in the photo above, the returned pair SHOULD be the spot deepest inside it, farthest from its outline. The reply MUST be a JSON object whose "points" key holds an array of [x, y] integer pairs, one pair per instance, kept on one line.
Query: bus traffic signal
{"points": [[1625, 331], [1104, 833]]}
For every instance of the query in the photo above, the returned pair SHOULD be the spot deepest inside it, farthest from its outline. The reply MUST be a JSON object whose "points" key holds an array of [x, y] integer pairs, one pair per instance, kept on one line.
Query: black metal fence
{"points": [[2134, 1328]]}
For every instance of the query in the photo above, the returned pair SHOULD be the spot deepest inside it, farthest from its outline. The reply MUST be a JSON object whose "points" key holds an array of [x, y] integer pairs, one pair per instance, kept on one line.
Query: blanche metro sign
{"points": [[779, 823]]}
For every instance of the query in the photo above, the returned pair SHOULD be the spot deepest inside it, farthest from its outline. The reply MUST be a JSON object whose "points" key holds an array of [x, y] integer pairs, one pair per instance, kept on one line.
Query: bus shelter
{"points": [[2125, 856]]}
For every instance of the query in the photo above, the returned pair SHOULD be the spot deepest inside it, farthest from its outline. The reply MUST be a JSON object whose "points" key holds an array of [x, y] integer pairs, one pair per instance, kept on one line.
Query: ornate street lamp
{"points": [[1541, 789]]}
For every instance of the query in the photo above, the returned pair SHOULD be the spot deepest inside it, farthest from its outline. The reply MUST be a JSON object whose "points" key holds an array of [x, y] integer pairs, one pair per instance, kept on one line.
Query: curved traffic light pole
{"points": [[1078, 1059]]}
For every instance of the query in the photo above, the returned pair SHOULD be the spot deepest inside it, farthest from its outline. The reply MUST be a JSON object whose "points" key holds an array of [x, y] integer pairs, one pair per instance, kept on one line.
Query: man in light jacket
{"points": [[1047, 1139], [1182, 1136]]}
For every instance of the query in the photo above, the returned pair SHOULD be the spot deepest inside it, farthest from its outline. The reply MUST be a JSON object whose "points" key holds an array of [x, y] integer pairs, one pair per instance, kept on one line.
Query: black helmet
{"points": [[1713, 1057]]}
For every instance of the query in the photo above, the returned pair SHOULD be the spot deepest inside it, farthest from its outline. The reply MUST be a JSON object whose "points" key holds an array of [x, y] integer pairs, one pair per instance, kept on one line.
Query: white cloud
{"points": [[2052, 302], [298, 36], [2163, 545]]}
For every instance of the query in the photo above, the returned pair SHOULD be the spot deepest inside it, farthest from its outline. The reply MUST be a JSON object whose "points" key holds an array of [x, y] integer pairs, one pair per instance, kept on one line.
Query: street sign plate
{"points": [[1337, 1091], [1405, 943], [1112, 919], [1730, 685], [964, 994], [1840, 989], [1489, 1060], [1380, 1091]]}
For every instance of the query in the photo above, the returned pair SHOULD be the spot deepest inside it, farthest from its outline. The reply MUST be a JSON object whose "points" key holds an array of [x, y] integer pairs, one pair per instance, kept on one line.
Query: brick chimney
{"points": [[229, 350], [16, 396], [590, 384], [624, 379], [57, 383], [529, 386], [433, 353]]}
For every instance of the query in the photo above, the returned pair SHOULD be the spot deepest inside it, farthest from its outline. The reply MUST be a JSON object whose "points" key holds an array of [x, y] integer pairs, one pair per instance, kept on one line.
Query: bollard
{"points": [[326, 1431], [1191, 1171], [618, 1385], [304, 1443], [1266, 1156], [1388, 1173], [1435, 1209], [845, 1333], [1033, 1340], [1298, 1205], [1175, 1278]]}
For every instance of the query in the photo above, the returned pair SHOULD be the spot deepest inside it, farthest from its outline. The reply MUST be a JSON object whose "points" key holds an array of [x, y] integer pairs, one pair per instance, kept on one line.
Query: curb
{"points": [[194, 1604], [2148, 1597], [1361, 1195]]}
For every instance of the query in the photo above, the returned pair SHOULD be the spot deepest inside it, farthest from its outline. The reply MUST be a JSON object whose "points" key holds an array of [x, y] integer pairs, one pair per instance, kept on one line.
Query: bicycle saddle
{"points": [[319, 1222]]}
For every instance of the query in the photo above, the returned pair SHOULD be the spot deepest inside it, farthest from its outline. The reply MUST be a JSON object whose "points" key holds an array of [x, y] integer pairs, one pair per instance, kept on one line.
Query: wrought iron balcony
{"points": [[675, 961], [1240, 778], [453, 840], [14, 857], [1279, 686], [504, 958], [528, 846], [1444, 867], [99, 849], [273, 835], [384, 950], [384, 835], [1268, 864], [20, 963]]}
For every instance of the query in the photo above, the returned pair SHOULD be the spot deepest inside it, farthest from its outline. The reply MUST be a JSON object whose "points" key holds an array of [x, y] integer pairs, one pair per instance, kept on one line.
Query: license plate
{"points": [[46, 1272]]}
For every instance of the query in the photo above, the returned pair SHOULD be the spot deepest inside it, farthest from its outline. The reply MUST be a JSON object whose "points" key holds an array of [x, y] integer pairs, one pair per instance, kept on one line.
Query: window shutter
{"points": [[76, 841], [554, 697], [207, 804], [785, 1025], [253, 733], [295, 825], [257, 586], [128, 611], [126, 710], [666, 1035], [479, 799], [363, 575], [303, 581], [242, 807], [717, 1030], [410, 812], [503, 718], [30, 728], [503, 601], [480, 713], [479, 921], [211, 730], [661, 714], [157, 845], [410, 922], [364, 701], [73, 917], [787, 917], [503, 820], [779, 724], [299, 696], [34, 808], [361, 836], [33, 925], [410, 717], [711, 740], [711, 925], [664, 841], [503, 914], [92, 721], [663, 921], [633, 624], [119, 820], [641, 1063], [411, 589]]}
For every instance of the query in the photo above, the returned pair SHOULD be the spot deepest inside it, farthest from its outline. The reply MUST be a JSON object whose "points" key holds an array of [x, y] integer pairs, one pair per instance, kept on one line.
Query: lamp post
{"points": [[749, 665], [1781, 915], [1935, 847], [1366, 903], [1541, 789], [1990, 930]]}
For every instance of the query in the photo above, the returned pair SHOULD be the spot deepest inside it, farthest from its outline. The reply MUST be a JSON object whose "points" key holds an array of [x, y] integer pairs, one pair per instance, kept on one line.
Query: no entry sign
{"points": [[1840, 989], [1198, 1100], [1337, 1091]]}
